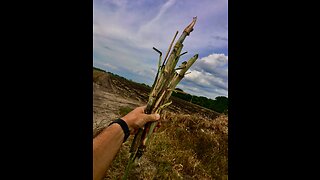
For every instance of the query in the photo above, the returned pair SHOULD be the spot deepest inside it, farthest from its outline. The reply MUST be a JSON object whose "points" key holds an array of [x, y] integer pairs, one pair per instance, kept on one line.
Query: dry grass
{"points": [[96, 75], [185, 147]]}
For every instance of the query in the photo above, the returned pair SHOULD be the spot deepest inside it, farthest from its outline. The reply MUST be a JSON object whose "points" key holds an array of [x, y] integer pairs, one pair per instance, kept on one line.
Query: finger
{"points": [[151, 117]]}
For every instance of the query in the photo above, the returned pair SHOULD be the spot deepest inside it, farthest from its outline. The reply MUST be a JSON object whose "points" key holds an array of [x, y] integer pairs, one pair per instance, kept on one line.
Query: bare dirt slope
{"points": [[109, 95]]}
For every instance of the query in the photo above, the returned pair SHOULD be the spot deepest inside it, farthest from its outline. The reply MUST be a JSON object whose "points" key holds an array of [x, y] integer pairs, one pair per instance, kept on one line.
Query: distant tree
{"points": [[98, 69], [184, 96], [145, 85], [219, 104], [179, 89]]}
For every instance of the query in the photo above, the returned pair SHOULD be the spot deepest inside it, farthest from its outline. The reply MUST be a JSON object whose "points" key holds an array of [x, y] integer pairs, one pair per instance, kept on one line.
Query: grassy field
{"points": [[185, 147]]}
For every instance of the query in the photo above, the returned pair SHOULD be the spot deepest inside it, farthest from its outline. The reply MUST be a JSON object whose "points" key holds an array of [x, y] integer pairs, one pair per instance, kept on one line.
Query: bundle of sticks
{"points": [[166, 80]]}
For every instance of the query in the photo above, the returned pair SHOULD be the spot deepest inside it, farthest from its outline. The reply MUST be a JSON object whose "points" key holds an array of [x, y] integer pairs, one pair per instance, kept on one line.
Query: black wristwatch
{"points": [[124, 127]]}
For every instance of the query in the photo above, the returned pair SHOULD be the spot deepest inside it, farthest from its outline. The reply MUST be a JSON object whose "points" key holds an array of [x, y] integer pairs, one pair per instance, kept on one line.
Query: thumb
{"points": [[152, 117]]}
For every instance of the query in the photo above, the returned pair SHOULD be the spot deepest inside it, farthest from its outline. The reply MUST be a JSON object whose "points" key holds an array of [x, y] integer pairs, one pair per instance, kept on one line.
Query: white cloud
{"points": [[206, 80], [209, 76], [214, 60], [216, 64], [162, 10], [119, 3], [198, 77], [110, 66], [125, 32], [145, 28]]}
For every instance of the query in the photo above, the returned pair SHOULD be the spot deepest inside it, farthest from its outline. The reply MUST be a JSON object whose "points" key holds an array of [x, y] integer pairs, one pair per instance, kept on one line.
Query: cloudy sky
{"points": [[126, 30]]}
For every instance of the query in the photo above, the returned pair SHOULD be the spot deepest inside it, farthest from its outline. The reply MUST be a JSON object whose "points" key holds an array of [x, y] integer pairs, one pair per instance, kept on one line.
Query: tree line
{"points": [[219, 104]]}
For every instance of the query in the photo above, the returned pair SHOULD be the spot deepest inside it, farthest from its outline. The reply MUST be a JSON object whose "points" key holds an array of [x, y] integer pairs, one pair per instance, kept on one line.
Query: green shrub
{"points": [[124, 110]]}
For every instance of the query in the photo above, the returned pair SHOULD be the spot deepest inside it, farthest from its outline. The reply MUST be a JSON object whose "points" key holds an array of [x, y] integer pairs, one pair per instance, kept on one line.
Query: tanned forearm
{"points": [[107, 144], [109, 140]]}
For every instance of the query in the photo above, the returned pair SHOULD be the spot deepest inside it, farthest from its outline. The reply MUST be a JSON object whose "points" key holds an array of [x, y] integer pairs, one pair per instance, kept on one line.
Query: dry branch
{"points": [[166, 80]]}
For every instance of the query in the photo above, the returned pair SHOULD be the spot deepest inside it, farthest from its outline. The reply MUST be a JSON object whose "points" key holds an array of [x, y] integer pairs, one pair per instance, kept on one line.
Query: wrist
{"points": [[130, 126], [124, 127]]}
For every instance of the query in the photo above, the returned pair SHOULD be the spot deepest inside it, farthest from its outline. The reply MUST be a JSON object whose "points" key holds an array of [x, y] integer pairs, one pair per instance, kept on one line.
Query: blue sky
{"points": [[124, 32]]}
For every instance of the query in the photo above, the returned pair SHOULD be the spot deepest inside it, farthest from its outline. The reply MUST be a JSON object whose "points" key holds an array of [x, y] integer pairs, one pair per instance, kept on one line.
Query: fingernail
{"points": [[157, 116]]}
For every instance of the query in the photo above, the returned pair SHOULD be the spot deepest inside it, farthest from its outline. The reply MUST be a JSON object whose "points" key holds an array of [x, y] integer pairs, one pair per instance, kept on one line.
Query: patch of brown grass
{"points": [[96, 75], [185, 147]]}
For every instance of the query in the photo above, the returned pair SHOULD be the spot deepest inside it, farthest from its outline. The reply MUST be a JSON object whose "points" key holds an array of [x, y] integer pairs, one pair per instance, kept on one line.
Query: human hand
{"points": [[137, 119]]}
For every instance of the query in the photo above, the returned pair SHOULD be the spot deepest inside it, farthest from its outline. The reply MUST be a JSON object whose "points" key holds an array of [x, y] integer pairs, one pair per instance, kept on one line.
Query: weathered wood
{"points": [[166, 80], [169, 49]]}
